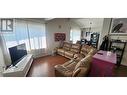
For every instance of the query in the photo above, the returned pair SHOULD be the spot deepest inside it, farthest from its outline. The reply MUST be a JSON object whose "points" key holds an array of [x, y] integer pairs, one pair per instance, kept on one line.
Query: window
{"points": [[21, 33], [75, 35], [37, 35], [28, 32]]}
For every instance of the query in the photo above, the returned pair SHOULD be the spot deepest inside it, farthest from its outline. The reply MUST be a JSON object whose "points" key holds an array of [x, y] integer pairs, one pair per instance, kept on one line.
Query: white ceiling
{"points": [[40, 20], [85, 22], [47, 19], [81, 22]]}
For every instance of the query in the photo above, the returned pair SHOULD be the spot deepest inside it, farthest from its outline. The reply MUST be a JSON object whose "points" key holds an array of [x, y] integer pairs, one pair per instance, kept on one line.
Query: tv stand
{"points": [[20, 69], [11, 67], [16, 66]]}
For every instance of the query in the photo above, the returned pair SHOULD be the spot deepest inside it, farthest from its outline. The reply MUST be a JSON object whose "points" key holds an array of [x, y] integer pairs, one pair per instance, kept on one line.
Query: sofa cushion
{"points": [[67, 46], [66, 69], [71, 66], [82, 67], [60, 50], [80, 72], [75, 48], [60, 68], [69, 53], [85, 62], [63, 71], [68, 73], [92, 51], [78, 57], [76, 72], [67, 63], [84, 50]]}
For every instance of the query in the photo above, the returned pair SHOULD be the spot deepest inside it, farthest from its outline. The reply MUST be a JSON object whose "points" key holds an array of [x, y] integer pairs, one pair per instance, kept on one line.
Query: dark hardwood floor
{"points": [[44, 67], [121, 71]]}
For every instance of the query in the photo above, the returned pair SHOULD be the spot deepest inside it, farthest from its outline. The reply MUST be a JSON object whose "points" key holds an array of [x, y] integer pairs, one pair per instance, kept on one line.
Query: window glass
{"points": [[75, 35], [28, 32]]}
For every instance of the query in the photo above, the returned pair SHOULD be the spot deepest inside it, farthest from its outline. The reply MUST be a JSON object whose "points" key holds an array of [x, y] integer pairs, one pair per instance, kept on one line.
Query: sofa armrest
{"points": [[76, 72], [80, 72]]}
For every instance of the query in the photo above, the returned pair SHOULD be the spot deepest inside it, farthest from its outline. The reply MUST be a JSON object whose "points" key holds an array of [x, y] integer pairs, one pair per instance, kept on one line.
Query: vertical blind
{"points": [[28, 32]]}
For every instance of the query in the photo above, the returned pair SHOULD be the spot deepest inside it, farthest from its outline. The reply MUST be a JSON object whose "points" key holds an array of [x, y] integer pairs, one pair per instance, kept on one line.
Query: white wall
{"points": [[2, 62], [52, 27], [37, 20], [1, 54], [75, 26], [105, 29]]}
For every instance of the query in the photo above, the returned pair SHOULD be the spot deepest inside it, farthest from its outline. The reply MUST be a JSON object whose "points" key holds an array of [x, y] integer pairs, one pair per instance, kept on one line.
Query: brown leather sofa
{"points": [[75, 49], [66, 47], [69, 50], [73, 68], [79, 65], [85, 50]]}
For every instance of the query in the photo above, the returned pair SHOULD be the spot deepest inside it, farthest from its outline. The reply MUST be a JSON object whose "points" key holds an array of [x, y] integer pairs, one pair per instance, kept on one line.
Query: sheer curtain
{"points": [[28, 32], [37, 38]]}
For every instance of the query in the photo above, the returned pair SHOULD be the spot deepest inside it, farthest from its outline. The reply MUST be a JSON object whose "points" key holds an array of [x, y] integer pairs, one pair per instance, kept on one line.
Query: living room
{"points": [[42, 38], [59, 47]]}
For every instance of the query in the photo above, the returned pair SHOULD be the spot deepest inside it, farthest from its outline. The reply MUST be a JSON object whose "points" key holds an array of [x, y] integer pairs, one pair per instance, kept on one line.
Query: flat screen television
{"points": [[17, 53]]}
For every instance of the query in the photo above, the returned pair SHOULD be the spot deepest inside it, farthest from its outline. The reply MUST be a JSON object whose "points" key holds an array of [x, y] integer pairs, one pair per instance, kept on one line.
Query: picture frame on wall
{"points": [[59, 37], [118, 26]]}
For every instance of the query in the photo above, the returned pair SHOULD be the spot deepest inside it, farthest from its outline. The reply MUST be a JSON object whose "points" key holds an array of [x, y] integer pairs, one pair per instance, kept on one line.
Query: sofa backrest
{"points": [[83, 66], [92, 51], [84, 49], [67, 46], [75, 48], [84, 62]]}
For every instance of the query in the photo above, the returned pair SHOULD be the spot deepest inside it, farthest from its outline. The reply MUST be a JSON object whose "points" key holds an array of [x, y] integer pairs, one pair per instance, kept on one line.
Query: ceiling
{"points": [[47, 19], [88, 22], [81, 22]]}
